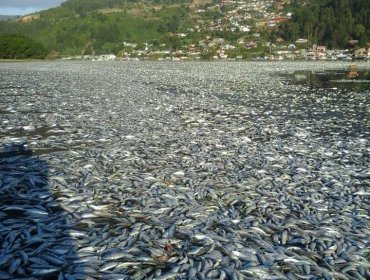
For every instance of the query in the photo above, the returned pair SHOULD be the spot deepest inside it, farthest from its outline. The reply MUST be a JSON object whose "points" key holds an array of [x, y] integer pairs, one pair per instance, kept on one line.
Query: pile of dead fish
{"points": [[182, 171]]}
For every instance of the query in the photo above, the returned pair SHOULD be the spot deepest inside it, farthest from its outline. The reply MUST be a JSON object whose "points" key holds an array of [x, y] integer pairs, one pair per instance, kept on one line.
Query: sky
{"points": [[23, 7]]}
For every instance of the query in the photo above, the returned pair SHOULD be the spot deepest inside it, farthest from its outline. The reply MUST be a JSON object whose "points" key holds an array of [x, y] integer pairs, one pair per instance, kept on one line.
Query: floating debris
{"points": [[183, 171]]}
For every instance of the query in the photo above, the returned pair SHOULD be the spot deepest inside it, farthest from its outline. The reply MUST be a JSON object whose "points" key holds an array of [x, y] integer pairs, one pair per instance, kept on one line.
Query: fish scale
{"points": [[243, 173]]}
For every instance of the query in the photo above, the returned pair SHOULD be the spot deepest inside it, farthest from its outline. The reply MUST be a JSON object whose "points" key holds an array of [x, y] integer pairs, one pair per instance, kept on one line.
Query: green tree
{"points": [[359, 30], [17, 46], [329, 22]]}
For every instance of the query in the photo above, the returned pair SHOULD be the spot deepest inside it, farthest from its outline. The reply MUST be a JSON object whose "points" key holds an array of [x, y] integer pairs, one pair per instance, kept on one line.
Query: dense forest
{"points": [[329, 22], [20, 47]]}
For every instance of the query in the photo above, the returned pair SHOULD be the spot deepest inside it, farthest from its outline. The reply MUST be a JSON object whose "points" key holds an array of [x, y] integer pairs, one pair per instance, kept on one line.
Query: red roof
{"points": [[280, 19]]}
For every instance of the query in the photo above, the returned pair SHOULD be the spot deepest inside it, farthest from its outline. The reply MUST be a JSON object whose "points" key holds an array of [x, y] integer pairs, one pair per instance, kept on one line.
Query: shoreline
{"points": [[358, 61]]}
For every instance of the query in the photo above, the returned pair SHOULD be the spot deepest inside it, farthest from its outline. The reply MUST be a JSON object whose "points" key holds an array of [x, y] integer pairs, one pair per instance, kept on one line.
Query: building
{"points": [[363, 53], [301, 41], [320, 52], [107, 57]]}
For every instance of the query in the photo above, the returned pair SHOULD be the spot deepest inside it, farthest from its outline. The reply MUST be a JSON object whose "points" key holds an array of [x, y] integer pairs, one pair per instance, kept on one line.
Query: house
{"points": [[251, 45], [261, 24], [353, 42], [320, 52], [229, 47], [279, 6], [310, 55], [317, 48], [241, 41], [222, 55], [301, 41], [281, 19], [107, 57], [244, 29], [363, 53], [218, 40], [133, 45]]}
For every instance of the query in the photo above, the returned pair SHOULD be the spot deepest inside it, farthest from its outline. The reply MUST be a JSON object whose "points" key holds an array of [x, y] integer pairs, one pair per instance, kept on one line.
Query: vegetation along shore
{"points": [[198, 29]]}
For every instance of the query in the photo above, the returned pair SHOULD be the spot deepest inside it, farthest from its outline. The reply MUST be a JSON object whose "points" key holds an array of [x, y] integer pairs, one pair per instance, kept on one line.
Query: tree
{"points": [[17, 46], [359, 30], [329, 22]]}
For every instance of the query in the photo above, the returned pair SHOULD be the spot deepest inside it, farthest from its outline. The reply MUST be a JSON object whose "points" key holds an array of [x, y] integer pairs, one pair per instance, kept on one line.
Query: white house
{"points": [[107, 57]]}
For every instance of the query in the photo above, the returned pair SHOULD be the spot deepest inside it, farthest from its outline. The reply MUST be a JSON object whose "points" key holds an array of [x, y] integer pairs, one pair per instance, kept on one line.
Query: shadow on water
{"points": [[337, 79], [34, 230], [332, 100]]}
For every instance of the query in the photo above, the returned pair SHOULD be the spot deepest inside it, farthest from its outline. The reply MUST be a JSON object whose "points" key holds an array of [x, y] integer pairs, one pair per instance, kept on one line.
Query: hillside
{"points": [[329, 22], [243, 28], [17, 46], [100, 25], [3, 17]]}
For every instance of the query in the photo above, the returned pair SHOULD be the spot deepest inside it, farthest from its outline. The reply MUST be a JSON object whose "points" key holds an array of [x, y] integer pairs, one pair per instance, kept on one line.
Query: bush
{"points": [[17, 46]]}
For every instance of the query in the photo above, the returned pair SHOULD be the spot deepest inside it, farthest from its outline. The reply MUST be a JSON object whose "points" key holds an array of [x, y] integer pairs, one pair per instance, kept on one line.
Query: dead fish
{"points": [[223, 179]]}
